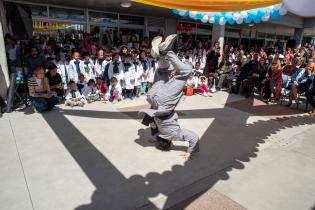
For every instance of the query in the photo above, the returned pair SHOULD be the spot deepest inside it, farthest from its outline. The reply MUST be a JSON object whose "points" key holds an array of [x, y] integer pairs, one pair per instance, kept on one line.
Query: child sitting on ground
{"points": [[73, 96], [101, 87], [203, 86], [81, 83], [192, 82], [91, 92], [114, 91]]}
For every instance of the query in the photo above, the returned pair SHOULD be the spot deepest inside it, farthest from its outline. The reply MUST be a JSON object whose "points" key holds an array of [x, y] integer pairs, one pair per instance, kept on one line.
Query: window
{"points": [[131, 20], [39, 11], [66, 14], [99, 17]]}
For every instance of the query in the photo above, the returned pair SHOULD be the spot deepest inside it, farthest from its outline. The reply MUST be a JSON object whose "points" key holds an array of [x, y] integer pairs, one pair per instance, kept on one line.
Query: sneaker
{"points": [[167, 45], [155, 46]]}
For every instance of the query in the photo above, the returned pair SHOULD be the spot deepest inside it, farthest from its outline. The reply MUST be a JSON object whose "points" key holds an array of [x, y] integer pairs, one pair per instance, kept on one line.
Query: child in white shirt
{"points": [[91, 92], [63, 68], [192, 82], [76, 66], [145, 67], [114, 91], [73, 96], [129, 77], [89, 69]]}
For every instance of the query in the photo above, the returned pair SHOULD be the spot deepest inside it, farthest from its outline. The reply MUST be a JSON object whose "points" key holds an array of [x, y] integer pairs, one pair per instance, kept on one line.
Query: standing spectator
{"points": [[212, 61], [34, 60]]}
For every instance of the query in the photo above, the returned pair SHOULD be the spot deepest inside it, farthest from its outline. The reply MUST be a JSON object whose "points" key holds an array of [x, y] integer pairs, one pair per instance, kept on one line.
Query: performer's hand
{"points": [[186, 156]]}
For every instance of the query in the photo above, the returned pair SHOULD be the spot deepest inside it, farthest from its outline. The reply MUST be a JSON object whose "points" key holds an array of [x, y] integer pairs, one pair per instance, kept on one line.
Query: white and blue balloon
{"points": [[239, 17]]}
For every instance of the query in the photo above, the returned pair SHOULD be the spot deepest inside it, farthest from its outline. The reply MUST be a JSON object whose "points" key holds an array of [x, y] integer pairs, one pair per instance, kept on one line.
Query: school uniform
{"points": [[76, 68], [153, 67], [201, 60], [116, 69], [72, 95], [146, 65], [98, 67], [91, 93], [139, 71], [192, 82], [89, 71], [114, 93], [81, 86], [63, 68], [129, 79]]}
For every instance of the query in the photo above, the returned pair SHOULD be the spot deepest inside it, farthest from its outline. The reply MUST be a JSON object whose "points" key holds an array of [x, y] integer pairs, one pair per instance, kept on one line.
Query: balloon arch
{"points": [[235, 11], [239, 17]]}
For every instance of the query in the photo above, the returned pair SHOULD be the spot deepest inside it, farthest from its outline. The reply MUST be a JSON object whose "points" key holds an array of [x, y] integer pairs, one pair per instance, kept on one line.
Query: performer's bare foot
{"points": [[186, 156], [312, 112]]}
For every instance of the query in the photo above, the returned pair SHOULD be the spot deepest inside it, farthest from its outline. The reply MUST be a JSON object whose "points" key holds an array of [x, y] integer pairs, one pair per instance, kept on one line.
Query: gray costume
{"points": [[165, 94]]}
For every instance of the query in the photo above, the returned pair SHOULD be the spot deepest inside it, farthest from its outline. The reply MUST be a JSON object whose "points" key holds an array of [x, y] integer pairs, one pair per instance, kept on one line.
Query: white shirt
{"points": [[89, 91], [117, 88], [153, 68], [74, 72], [120, 74], [145, 72], [69, 94], [129, 78], [192, 82], [139, 72], [63, 68]]}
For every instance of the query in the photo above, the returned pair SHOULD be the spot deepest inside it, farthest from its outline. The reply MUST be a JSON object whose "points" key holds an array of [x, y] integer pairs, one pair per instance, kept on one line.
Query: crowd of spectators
{"points": [[79, 71]]}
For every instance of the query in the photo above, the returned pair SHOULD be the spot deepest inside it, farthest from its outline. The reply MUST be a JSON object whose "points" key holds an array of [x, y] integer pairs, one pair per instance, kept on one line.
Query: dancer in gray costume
{"points": [[167, 92]]}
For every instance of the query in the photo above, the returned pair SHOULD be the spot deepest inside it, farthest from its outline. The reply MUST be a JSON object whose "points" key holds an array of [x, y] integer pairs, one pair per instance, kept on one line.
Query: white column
{"points": [[298, 36], [4, 73], [218, 32]]}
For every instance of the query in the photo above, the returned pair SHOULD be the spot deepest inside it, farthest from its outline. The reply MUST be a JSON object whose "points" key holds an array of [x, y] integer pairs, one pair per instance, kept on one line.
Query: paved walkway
{"points": [[98, 157]]}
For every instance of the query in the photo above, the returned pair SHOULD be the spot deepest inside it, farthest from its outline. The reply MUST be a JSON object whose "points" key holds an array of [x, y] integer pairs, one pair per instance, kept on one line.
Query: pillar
{"points": [[218, 32], [4, 73], [298, 36]]}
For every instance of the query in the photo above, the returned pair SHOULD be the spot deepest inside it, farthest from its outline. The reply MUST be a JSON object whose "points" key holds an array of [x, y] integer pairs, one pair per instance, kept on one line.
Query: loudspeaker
{"points": [[19, 20]]}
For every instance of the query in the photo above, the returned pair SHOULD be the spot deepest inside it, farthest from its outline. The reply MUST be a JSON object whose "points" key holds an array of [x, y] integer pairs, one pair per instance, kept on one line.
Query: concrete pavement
{"points": [[98, 157]]}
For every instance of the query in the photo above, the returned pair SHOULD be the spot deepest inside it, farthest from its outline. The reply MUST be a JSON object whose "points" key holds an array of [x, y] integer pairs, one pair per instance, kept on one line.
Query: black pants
{"points": [[310, 94]]}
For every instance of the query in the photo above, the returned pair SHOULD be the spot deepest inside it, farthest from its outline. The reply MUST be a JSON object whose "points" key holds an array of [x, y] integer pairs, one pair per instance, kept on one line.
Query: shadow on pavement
{"points": [[227, 143]]}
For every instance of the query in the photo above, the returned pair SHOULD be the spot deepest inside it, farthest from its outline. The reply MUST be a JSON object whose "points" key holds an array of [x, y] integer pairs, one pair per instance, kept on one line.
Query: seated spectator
{"points": [[272, 85], [40, 94], [114, 91], [203, 86], [255, 77], [310, 94], [302, 84], [289, 70], [73, 96], [54, 80], [90, 92], [81, 84], [223, 72]]}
